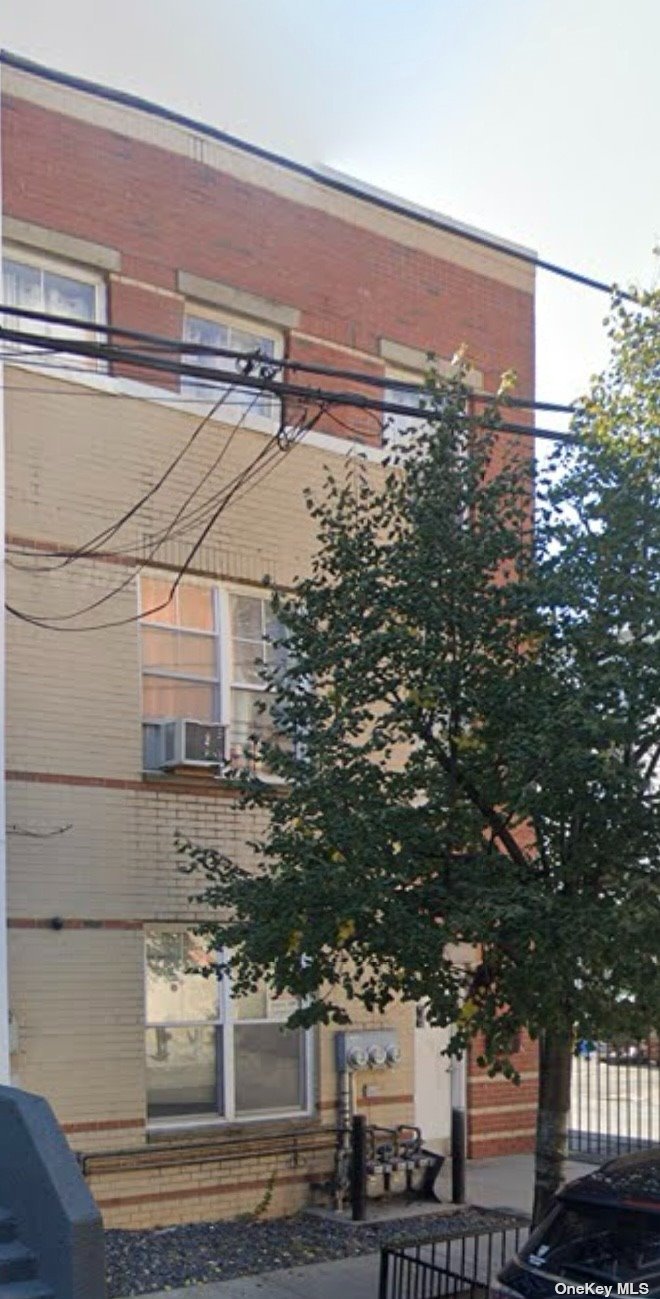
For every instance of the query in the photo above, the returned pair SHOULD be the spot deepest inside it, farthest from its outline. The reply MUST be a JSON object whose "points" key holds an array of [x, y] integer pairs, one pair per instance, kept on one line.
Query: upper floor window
{"points": [[396, 426], [202, 656], [56, 289], [208, 329]]}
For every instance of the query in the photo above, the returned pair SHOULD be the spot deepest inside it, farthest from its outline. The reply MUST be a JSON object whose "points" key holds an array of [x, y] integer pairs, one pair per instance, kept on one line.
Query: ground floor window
{"points": [[210, 1054]]}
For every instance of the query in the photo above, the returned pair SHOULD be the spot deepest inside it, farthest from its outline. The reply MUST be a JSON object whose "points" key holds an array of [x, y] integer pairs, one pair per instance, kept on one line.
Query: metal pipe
{"points": [[458, 1074], [359, 1168]]}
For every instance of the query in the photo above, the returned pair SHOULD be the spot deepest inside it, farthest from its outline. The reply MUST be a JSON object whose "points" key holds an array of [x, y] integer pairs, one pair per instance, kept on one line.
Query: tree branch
{"points": [[490, 814]]}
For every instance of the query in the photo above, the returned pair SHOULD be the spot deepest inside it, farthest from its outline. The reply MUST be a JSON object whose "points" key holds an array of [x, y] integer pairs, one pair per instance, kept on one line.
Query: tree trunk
{"points": [[555, 1057]]}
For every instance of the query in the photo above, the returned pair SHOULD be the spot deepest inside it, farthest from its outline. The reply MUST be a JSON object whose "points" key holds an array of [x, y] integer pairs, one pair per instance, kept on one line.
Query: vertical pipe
{"points": [[602, 1125], [458, 1075], [359, 1168], [608, 1102], [4, 977]]}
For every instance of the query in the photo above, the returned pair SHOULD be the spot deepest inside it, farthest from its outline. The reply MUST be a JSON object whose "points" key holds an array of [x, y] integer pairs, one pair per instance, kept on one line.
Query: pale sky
{"points": [[538, 120]]}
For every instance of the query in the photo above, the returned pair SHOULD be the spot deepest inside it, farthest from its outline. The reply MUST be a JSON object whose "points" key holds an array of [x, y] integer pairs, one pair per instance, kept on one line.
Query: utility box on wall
{"points": [[369, 1048]]}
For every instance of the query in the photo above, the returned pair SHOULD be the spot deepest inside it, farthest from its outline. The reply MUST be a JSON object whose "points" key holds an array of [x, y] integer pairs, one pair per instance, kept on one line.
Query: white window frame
{"points": [[392, 433], [253, 418], [223, 682], [226, 1022], [171, 673], [68, 270]]}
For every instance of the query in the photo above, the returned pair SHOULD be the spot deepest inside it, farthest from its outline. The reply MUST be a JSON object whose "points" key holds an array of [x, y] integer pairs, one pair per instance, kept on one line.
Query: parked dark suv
{"points": [[602, 1236]]}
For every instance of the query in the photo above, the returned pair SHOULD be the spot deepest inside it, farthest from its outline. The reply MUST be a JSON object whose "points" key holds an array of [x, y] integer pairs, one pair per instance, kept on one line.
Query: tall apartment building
{"points": [[182, 1101]]}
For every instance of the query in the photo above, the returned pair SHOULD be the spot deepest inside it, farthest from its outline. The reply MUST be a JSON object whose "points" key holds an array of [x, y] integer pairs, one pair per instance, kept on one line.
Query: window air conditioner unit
{"points": [[187, 743]]}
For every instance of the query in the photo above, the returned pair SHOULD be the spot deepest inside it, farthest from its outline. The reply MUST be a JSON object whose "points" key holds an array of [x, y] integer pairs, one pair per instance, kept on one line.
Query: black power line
{"points": [[181, 348], [102, 538], [264, 382], [259, 468]]}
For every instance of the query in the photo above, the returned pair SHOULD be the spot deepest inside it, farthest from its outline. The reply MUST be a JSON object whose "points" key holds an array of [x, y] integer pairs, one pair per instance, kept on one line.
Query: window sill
{"points": [[209, 1129], [200, 778]]}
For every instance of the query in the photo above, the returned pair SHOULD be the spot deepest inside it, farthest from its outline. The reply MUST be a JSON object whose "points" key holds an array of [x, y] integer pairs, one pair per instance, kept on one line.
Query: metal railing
{"points": [[615, 1097], [465, 1265]]}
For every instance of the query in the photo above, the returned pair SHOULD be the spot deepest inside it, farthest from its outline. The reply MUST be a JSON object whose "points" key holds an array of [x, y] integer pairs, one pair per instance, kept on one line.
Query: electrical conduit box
{"points": [[369, 1048]]}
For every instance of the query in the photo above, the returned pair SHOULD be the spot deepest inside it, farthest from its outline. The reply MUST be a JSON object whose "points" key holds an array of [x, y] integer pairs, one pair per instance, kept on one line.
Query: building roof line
{"points": [[326, 176]]}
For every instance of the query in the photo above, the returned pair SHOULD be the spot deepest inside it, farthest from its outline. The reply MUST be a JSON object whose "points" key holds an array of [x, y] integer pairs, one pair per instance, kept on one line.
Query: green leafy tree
{"points": [[473, 710]]}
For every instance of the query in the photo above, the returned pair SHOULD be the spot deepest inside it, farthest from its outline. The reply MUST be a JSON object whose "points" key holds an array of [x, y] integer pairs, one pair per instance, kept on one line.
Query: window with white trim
{"points": [[202, 656], [212, 1055], [56, 288], [209, 329], [395, 427]]}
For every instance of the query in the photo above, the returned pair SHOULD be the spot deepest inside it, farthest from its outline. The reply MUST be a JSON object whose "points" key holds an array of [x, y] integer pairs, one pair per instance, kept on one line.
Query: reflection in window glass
{"points": [[168, 697], [188, 1040], [183, 646], [173, 993], [36, 288], [396, 426], [180, 662], [182, 1071], [269, 1068], [206, 332]]}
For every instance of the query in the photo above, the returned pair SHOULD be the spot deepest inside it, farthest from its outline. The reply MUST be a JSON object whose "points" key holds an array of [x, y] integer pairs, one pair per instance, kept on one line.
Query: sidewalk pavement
{"points": [[501, 1183]]}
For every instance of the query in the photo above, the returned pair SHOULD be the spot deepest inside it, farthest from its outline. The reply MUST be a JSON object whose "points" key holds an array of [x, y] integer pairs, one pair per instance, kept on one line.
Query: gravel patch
{"points": [[143, 1261]]}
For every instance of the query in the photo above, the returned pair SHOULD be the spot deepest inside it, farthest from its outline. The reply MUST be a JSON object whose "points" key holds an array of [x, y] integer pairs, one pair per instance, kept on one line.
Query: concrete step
{"points": [[7, 1226], [16, 1262], [25, 1290]]}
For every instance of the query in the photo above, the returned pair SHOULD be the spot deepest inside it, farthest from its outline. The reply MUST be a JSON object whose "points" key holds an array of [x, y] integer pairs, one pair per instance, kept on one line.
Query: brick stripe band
{"points": [[102, 1125], [24, 922], [203, 787]]}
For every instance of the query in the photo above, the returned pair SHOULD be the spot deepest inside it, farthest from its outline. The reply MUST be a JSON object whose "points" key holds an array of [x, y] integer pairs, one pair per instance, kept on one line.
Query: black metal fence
{"points": [[615, 1097], [465, 1265]]}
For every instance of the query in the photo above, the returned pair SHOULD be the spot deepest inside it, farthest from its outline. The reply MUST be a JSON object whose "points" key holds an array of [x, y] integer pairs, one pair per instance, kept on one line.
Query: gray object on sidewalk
{"points": [[44, 1193]]}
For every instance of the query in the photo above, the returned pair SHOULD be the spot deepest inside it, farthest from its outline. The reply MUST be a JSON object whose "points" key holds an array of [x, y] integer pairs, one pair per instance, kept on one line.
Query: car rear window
{"points": [[596, 1243]]}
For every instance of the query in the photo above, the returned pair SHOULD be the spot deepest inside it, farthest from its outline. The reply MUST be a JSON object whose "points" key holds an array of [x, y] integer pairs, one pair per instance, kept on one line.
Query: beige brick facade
{"points": [[91, 848]]}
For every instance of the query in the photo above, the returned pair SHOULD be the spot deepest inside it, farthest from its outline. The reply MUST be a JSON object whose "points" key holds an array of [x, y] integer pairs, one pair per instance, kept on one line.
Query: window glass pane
{"points": [[182, 1071], [247, 722], [64, 296], [279, 654], [174, 651], [153, 592], [168, 697], [213, 333], [248, 661], [269, 1072], [254, 1005], [247, 617], [280, 1008], [242, 340], [22, 286], [263, 1005], [396, 426], [196, 607], [209, 333], [172, 993]]}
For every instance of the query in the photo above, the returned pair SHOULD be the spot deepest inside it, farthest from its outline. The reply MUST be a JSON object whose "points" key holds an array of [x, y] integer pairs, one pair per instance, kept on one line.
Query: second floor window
{"points": [[202, 656], [207, 330], [56, 289]]}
